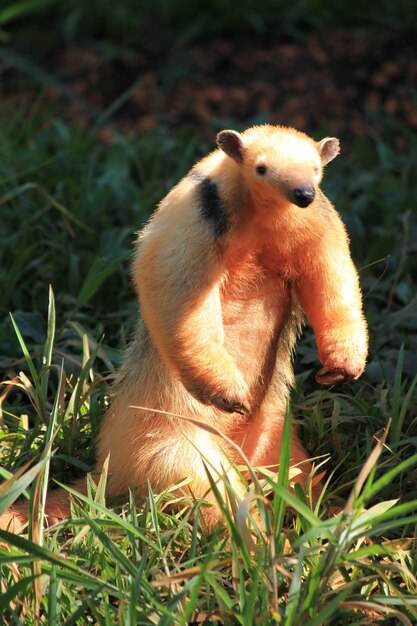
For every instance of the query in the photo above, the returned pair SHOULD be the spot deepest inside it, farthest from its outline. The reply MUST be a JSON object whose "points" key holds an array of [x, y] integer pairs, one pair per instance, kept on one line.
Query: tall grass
{"points": [[145, 564]]}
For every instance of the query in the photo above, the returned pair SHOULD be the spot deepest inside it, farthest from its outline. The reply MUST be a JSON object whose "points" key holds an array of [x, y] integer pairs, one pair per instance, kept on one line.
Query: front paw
{"points": [[339, 369]]}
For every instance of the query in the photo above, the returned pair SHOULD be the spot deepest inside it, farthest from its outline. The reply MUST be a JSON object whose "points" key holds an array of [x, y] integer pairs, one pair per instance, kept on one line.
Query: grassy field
{"points": [[70, 205]]}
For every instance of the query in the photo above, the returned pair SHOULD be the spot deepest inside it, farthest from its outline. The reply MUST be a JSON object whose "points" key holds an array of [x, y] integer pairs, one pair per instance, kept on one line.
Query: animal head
{"points": [[280, 164]]}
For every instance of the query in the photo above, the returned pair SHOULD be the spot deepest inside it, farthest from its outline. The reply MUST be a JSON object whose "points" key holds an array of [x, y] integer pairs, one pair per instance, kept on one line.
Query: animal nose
{"points": [[303, 196]]}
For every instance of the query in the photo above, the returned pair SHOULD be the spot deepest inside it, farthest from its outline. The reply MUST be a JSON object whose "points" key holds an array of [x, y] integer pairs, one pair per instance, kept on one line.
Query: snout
{"points": [[303, 195]]}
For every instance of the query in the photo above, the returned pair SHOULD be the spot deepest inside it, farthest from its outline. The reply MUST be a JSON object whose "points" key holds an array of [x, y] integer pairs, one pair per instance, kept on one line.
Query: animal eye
{"points": [[261, 169]]}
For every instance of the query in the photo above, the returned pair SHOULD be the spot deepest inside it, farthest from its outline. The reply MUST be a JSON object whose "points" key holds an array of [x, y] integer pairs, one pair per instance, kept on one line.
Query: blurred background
{"points": [[203, 64], [106, 104]]}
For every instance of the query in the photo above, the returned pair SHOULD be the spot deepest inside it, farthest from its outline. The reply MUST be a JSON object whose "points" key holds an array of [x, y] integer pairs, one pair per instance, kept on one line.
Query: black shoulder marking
{"points": [[211, 206]]}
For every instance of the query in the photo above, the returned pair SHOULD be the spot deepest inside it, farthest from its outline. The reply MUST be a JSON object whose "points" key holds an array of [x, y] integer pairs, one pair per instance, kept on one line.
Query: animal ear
{"points": [[231, 143], [328, 149]]}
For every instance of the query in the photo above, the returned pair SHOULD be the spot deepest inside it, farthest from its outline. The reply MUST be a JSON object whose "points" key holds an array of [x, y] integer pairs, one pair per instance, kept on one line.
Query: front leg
{"points": [[178, 271], [330, 295]]}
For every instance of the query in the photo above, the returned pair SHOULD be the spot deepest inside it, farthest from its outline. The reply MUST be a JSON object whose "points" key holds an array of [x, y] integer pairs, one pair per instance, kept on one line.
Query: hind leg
{"points": [[57, 508], [261, 441], [166, 453], [178, 458]]}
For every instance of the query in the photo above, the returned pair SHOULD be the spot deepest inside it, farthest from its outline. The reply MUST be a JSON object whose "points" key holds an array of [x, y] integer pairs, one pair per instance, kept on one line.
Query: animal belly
{"points": [[251, 334]]}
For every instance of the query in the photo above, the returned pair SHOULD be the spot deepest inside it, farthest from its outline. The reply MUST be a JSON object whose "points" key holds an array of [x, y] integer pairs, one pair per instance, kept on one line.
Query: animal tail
{"points": [[57, 508]]}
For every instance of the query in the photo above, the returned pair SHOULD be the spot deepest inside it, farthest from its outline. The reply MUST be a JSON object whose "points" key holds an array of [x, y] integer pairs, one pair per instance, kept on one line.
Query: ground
{"points": [[330, 81]]}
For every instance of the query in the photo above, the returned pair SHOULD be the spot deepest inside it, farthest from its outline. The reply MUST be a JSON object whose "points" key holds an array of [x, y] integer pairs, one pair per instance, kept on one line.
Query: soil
{"points": [[329, 82]]}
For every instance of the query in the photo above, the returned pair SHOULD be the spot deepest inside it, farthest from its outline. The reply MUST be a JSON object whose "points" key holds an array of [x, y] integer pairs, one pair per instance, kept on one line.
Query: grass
{"points": [[70, 205]]}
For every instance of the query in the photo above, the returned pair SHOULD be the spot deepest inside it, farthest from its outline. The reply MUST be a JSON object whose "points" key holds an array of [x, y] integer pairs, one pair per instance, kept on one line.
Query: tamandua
{"points": [[236, 254]]}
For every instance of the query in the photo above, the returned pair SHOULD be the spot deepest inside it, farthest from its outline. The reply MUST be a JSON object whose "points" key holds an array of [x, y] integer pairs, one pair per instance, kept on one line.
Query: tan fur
{"points": [[220, 314]]}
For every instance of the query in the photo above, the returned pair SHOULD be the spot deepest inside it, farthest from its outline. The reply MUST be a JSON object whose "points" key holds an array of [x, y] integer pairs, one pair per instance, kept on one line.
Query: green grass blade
{"points": [[11, 489], [294, 593], [296, 504], [14, 591], [396, 397], [279, 504], [26, 354], [386, 479], [405, 406], [118, 556], [136, 586], [53, 598], [48, 348], [120, 522], [154, 516], [100, 269], [23, 7], [38, 496], [67, 569], [74, 619], [330, 610]]}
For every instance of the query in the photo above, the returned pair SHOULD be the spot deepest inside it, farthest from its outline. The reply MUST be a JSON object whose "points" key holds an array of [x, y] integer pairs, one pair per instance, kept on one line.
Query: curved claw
{"points": [[230, 406], [242, 409], [331, 377]]}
